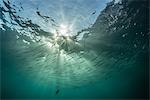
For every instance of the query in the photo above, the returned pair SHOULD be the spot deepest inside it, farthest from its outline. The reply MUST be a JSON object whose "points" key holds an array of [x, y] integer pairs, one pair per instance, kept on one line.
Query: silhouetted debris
{"points": [[20, 21], [46, 18]]}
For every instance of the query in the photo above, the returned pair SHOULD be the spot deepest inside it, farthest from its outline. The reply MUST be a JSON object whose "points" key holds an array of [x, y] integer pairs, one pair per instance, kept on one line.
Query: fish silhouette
{"points": [[94, 12], [57, 91]]}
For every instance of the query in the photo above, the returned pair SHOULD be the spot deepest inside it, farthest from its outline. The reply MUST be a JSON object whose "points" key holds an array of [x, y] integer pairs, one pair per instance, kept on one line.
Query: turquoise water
{"points": [[108, 59]]}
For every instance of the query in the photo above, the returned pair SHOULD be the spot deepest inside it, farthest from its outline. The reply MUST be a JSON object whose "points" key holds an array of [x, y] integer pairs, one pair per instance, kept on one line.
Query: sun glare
{"points": [[63, 29]]}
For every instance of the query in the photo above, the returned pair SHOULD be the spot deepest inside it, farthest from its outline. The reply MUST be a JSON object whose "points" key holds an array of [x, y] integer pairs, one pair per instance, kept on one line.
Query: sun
{"points": [[63, 30]]}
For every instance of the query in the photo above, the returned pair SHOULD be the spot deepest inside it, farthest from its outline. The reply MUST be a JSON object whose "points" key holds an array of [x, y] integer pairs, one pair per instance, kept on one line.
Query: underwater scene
{"points": [[74, 49]]}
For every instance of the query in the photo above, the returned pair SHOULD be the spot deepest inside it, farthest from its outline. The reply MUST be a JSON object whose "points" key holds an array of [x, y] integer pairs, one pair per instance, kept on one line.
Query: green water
{"points": [[112, 62]]}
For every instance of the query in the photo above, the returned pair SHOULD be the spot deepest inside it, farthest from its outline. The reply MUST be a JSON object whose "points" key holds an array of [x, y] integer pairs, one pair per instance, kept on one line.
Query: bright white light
{"points": [[63, 30]]}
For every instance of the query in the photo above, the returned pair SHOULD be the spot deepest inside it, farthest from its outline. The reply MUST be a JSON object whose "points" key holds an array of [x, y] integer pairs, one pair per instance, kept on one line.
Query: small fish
{"points": [[57, 91], [94, 12]]}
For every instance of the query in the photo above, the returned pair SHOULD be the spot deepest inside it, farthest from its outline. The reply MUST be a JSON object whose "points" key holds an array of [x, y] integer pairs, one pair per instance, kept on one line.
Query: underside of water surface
{"points": [[90, 49]]}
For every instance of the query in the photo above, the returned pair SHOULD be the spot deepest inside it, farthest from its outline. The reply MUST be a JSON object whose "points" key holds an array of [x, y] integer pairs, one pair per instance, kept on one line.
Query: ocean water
{"points": [[107, 57]]}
